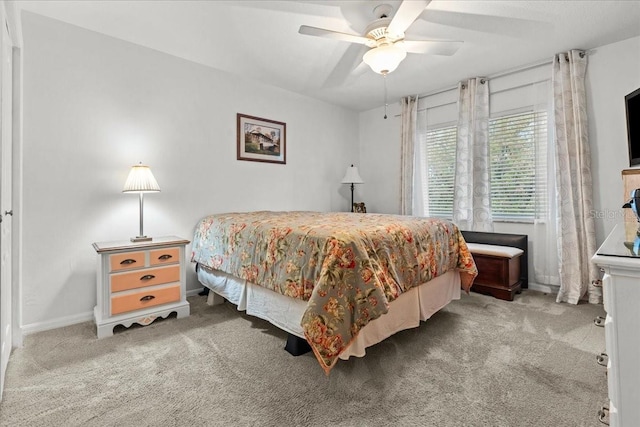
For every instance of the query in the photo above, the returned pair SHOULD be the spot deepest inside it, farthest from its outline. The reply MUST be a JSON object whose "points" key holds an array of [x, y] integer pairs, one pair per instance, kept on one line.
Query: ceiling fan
{"points": [[385, 37]]}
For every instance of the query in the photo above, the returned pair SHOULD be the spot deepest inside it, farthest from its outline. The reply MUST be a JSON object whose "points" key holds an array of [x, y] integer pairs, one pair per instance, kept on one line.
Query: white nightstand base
{"points": [[105, 328]]}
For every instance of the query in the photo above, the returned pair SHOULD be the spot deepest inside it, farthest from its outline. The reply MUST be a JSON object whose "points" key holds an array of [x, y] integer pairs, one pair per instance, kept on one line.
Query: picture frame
{"points": [[359, 207], [261, 140]]}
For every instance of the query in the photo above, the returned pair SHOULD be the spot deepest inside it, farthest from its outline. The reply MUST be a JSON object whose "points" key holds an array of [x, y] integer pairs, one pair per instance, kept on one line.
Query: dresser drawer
{"points": [[165, 256], [146, 277], [126, 261], [144, 298]]}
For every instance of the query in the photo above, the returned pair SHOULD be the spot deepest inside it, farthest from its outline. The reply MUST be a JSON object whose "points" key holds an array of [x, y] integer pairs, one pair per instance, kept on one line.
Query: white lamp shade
{"points": [[384, 59], [140, 180], [352, 176]]}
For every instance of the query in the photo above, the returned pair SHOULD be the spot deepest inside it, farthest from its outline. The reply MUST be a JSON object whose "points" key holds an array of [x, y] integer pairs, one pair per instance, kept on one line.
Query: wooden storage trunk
{"points": [[498, 270]]}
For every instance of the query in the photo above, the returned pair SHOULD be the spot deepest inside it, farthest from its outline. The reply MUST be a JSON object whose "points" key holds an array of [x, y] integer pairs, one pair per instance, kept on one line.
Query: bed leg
{"points": [[214, 299], [297, 346]]}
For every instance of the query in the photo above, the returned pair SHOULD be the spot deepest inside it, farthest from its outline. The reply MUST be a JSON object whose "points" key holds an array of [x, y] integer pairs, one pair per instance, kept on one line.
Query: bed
{"points": [[341, 281]]}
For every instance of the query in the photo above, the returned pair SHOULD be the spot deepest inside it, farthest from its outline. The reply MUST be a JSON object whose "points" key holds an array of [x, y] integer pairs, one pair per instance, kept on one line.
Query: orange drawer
{"points": [[144, 299], [165, 256], [146, 277], [126, 261]]}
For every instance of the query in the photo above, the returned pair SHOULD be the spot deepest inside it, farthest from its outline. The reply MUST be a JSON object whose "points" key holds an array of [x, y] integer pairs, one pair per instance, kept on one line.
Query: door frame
{"points": [[10, 18]]}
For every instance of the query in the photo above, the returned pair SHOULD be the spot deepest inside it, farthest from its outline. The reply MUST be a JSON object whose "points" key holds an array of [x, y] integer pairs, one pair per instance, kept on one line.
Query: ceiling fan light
{"points": [[384, 59]]}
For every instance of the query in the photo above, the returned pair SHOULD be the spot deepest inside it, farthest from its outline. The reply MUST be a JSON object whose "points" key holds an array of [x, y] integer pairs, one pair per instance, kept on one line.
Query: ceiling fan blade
{"points": [[329, 34], [432, 47], [507, 26], [360, 69], [408, 12], [355, 74], [345, 66]]}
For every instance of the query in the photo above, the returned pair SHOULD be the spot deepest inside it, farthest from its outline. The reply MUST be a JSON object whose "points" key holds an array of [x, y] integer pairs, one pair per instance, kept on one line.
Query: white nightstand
{"points": [[139, 282]]}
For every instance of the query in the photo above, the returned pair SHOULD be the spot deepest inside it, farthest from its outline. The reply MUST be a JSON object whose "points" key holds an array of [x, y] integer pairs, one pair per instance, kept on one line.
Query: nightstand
{"points": [[139, 282]]}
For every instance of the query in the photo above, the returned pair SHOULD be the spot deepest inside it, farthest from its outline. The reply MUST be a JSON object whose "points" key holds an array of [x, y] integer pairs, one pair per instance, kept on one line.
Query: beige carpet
{"points": [[478, 362]]}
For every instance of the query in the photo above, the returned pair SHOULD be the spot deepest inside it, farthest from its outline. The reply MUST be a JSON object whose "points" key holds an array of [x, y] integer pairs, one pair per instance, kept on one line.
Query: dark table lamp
{"points": [[352, 177]]}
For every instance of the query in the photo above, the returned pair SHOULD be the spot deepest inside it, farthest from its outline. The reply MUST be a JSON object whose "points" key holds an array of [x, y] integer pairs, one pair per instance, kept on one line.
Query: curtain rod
{"points": [[492, 93], [493, 76], [501, 74]]}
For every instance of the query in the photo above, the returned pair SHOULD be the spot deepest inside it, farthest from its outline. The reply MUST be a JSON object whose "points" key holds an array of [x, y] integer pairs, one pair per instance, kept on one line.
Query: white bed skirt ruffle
{"points": [[406, 312]]}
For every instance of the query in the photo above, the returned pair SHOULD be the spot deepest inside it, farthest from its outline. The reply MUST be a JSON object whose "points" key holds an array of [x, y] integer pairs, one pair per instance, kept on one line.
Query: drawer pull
{"points": [[147, 298], [599, 321], [148, 277], [127, 261], [603, 415], [165, 257], [601, 359]]}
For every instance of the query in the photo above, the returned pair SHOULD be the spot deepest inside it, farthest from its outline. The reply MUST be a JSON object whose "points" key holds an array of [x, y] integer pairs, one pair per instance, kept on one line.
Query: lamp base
{"points": [[141, 239]]}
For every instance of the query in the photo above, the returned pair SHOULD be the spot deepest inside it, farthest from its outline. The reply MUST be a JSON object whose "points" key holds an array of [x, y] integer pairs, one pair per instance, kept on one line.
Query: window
{"points": [[516, 141], [440, 156], [517, 149]]}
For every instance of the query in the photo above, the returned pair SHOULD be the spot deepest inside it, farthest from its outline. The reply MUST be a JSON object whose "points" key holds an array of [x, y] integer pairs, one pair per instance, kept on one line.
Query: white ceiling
{"points": [[260, 40]]}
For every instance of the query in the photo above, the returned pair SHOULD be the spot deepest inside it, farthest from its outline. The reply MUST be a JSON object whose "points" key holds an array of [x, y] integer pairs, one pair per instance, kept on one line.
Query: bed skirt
{"points": [[406, 312]]}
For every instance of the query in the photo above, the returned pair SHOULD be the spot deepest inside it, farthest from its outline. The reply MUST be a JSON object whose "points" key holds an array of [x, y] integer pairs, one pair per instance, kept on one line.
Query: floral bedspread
{"points": [[348, 266]]}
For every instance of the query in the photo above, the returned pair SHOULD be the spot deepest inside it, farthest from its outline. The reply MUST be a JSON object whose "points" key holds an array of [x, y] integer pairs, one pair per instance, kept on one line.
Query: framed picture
{"points": [[359, 207], [261, 140]]}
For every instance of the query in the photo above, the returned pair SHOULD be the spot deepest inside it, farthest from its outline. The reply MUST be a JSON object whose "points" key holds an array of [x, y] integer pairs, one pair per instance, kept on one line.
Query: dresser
{"points": [[137, 282], [619, 257]]}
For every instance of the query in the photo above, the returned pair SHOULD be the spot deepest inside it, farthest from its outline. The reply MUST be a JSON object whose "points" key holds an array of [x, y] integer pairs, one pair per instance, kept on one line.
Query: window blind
{"points": [[516, 142], [441, 160], [517, 150]]}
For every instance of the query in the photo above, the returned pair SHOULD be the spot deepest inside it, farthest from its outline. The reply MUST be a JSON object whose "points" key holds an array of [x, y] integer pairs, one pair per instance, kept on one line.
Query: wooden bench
{"points": [[501, 260]]}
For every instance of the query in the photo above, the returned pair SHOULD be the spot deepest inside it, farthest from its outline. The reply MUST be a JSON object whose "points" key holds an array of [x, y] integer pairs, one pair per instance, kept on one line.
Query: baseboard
{"points": [[60, 322], [548, 289], [32, 328], [193, 292]]}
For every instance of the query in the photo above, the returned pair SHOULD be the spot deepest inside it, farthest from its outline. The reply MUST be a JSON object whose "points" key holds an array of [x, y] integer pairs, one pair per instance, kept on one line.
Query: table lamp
{"points": [[352, 177], [141, 180]]}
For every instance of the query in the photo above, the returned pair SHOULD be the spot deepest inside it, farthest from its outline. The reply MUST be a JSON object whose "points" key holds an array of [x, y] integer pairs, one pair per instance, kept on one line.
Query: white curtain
{"points": [[420, 171], [471, 198], [576, 228], [545, 236], [409, 115]]}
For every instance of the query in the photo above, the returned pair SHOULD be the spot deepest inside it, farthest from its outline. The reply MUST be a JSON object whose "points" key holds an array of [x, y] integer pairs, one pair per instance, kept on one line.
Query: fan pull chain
{"points": [[384, 76]]}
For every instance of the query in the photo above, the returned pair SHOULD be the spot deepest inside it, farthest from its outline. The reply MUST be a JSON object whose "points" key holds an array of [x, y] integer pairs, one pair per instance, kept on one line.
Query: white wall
{"points": [[380, 160], [95, 105], [613, 71]]}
